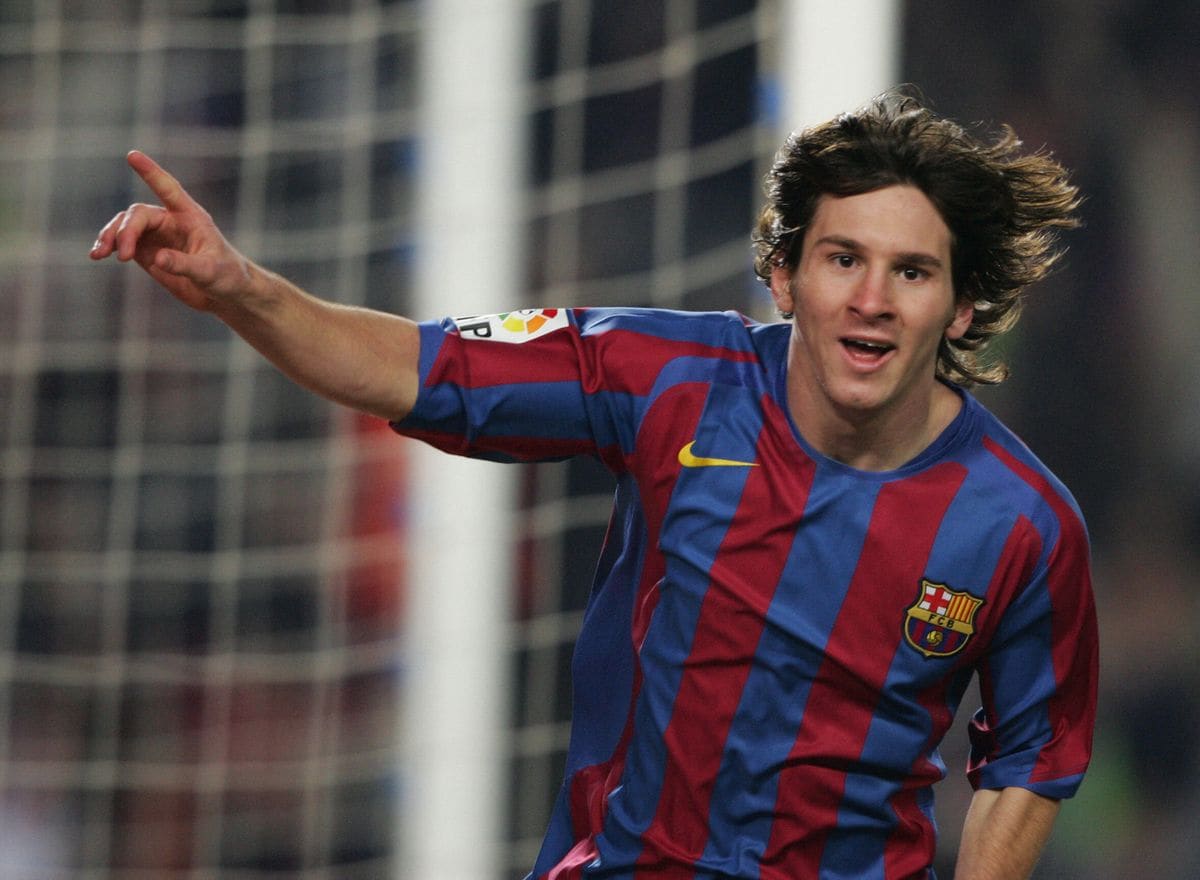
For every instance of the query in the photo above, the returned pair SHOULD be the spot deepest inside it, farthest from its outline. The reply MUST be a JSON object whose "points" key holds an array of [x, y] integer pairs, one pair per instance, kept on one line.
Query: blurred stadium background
{"points": [[209, 590]]}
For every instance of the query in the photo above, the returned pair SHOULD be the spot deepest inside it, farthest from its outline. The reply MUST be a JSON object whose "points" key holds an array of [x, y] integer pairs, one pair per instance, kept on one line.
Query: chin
{"points": [[859, 396], [855, 407]]}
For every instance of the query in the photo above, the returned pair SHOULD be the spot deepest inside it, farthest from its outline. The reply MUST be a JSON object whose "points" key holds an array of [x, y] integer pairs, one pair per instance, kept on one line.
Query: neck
{"points": [[874, 440]]}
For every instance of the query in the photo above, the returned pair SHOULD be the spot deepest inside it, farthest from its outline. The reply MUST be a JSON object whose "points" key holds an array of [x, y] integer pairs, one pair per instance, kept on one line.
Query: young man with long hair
{"points": [[819, 535]]}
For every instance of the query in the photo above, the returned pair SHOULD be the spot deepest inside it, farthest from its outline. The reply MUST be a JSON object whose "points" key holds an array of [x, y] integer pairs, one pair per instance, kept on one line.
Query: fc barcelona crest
{"points": [[941, 621]]}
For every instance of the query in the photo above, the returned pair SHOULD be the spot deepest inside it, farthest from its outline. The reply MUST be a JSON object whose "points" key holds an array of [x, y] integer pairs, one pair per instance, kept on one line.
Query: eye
{"points": [[844, 261], [912, 273]]}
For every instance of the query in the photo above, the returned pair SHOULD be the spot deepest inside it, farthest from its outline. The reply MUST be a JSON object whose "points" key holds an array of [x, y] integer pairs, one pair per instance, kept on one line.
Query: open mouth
{"points": [[866, 350]]}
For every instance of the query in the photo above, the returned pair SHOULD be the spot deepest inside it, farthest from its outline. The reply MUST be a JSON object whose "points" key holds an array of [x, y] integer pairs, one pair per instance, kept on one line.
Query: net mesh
{"points": [[199, 585], [200, 588], [650, 129]]}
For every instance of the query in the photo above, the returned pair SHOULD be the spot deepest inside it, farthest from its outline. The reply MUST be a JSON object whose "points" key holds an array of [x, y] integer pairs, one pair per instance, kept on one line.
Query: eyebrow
{"points": [[905, 258], [916, 258]]}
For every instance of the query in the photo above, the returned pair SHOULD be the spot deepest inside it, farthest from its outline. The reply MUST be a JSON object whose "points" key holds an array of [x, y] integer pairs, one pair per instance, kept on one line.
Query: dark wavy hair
{"points": [[1003, 207]]}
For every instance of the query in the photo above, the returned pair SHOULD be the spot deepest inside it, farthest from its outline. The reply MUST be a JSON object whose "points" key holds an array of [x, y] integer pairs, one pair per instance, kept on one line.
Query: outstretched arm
{"points": [[1003, 834], [363, 359]]}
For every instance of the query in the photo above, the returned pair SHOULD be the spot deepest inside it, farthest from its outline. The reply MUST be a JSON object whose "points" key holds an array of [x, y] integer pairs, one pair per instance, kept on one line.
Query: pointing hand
{"points": [[176, 242]]}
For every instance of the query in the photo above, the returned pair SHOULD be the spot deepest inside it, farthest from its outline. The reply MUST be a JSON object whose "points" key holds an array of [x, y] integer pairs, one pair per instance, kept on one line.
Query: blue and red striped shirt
{"points": [[775, 643]]}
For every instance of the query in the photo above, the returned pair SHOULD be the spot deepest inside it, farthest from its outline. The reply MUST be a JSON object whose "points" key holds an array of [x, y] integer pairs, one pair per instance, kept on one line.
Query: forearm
{"points": [[363, 359], [1003, 834]]}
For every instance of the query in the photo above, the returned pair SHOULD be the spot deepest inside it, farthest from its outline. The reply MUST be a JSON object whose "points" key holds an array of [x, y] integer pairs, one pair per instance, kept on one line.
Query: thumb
{"points": [[220, 276], [178, 263], [177, 274]]}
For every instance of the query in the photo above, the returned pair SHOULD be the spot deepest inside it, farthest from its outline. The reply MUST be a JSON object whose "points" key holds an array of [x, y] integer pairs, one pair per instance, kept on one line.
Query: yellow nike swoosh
{"points": [[688, 460]]}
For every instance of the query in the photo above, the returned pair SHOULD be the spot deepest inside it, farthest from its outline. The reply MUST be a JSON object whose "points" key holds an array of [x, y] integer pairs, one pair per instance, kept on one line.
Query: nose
{"points": [[872, 297]]}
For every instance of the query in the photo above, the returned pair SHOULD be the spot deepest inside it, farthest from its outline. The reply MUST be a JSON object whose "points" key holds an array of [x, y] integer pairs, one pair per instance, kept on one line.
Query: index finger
{"points": [[169, 190]]}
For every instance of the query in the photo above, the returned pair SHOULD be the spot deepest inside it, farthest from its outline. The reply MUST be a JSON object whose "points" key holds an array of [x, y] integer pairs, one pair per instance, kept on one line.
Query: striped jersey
{"points": [[775, 643]]}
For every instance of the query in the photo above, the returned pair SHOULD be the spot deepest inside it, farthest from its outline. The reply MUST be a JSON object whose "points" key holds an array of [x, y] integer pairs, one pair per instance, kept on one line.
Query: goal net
{"points": [[651, 125], [202, 567]]}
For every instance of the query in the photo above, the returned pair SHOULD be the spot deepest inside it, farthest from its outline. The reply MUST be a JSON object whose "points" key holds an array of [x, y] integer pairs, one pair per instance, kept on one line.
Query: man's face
{"points": [[873, 297]]}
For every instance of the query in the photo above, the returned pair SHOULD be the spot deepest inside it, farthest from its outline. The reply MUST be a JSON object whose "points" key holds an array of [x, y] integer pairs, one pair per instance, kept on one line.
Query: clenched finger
{"points": [[135, 223], [105, 239]]}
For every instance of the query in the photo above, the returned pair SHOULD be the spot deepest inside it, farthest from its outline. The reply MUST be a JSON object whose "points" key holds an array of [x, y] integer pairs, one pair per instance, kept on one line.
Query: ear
{"points": [[960, 321], [781, 288]]}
